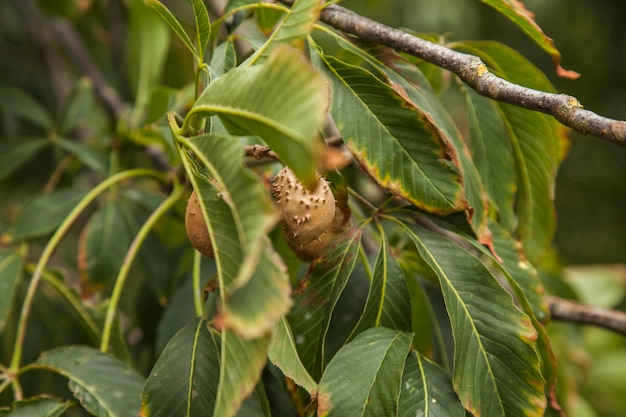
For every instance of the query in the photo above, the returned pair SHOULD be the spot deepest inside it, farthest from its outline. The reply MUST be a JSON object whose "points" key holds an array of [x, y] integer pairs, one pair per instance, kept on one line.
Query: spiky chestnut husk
{"points": [[197, 231], [305, 214]]}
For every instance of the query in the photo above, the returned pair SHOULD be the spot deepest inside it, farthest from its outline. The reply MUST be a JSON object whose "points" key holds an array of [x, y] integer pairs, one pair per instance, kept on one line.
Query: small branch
{"points": [[570, 311], [259, 152], [566, 109]]}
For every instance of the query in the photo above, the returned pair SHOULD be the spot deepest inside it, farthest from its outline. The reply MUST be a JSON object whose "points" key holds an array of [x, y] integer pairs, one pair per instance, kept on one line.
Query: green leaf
{"points": [[175, 26], [203, 25], [394, 142], [10, 272], [388, 303], [44, 213], [364, 377], [16, 102], [36, 407], [493, 155], [517, 13], [184, 380], [284, 354], [538, 142], [427, 390], [224, 57], [89, 155], [293, 29], [102, 384], [242, 363], [496, 366], [16, 152], [315, 300], [289, 106]]}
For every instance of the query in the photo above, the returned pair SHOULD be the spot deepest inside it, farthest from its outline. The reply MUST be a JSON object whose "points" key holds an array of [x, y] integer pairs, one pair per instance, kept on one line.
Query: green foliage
{"points": [[428, 297]]}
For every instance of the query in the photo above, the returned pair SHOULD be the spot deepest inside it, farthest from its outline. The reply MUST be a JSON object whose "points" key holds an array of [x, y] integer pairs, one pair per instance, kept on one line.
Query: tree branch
{"points": [[570, 311], [566, 109]]}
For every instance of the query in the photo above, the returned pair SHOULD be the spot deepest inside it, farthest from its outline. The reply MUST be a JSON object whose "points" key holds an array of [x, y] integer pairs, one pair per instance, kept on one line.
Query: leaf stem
{"points": [[197, 289], [52, 245], [141, 236]]}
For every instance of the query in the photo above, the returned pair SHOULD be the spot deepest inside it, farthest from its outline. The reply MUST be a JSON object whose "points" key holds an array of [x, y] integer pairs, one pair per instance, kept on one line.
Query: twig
{"points": [[570, 311], [566, 109], [260, 152]]}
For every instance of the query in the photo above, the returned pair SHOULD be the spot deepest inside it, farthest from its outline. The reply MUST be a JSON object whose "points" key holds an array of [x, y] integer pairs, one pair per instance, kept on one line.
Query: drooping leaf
{"points": [[364, 377], [10, 272], [496, 366], [242, 363], [44, 213], [293, 28], [102, 384], [427, 391], [317, 297], [36, 407], [284, 101], [538, 142], [175, 25], [388, 303], [185, 378], [283, 353], [517, 13], [391, 140], [16, 152], [16, 102], [89, 155], [203, 25], [493, 155]]}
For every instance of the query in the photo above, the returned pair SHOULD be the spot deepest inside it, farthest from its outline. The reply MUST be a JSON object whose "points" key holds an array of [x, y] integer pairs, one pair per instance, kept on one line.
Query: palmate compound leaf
{"points": [[105, 386], [427, 390], [254, 285], [283, 101], [538, 143], [393, 142], [497, 371], [317, 296], [364, 377]]}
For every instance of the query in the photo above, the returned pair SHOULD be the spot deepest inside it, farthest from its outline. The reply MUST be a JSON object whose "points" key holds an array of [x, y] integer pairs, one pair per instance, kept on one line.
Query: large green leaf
{"points": [[10, 272], [537, 141], [364, 377], [517, 13], [496, 366], [102, 384], [391, 140], [36, 407], [44, 213], [284, 354], [427, 391], [184, 380], [16, 152], [242, 363], [388, 301], [293, 28], [284, 101], [315, 300]]}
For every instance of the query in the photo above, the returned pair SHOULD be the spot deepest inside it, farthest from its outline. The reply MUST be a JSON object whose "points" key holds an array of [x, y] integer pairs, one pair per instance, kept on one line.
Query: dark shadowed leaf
{"points": [[16, 152], [364, 377], [16, 102], [427, 390], [496, 366], [317, 296], [102, 384], [36, 407], [10, 273], [185, 378]]}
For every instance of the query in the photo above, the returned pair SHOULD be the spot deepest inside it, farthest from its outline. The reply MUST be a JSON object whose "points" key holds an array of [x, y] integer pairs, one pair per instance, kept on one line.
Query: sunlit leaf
{"points": [[184, 380], [10, 272], [496, 367], [284, 101], [284, 354], [392, 140], [315, 300], [36, 407], [517, 13], [427, 391], [102, 384], [14, 153], [44, 213], [364, 377]]}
